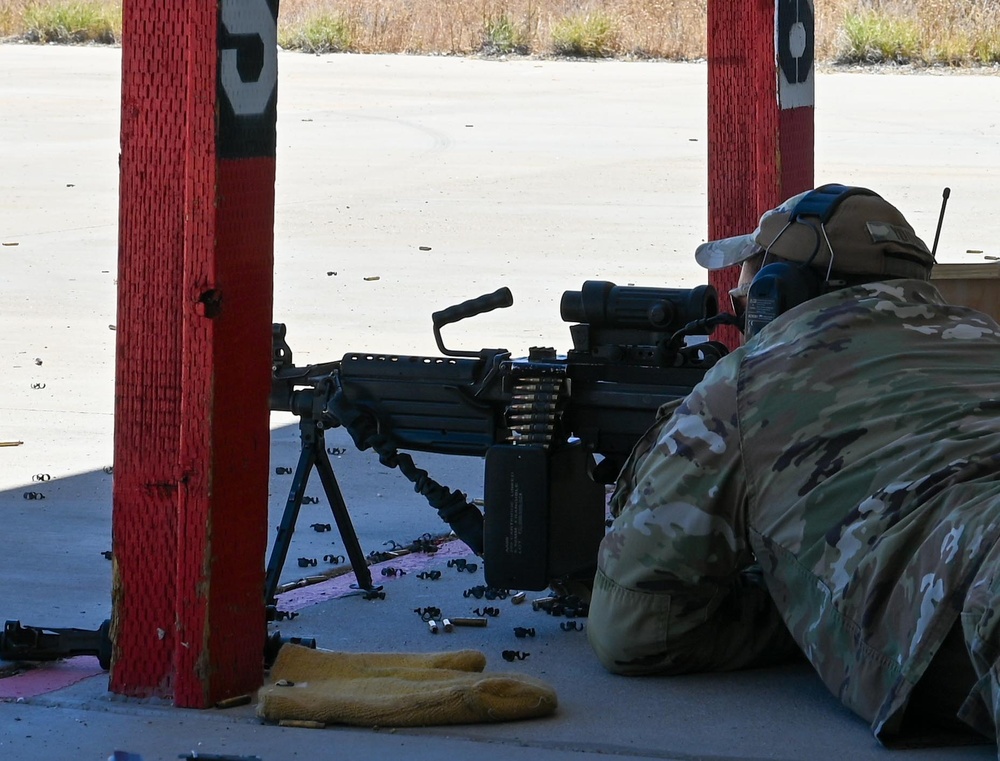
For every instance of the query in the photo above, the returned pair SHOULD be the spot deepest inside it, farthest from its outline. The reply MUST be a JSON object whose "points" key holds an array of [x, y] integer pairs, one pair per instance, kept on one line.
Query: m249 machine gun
{"points": [[554, 429]]}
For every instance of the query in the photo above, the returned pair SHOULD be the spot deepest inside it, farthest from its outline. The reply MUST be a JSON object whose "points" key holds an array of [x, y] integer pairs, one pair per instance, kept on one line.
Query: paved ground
{"points": [[532, 174]]}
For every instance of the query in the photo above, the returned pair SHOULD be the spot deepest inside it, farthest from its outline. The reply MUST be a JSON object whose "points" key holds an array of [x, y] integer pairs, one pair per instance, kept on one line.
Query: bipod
{"points": [[313, 454]]}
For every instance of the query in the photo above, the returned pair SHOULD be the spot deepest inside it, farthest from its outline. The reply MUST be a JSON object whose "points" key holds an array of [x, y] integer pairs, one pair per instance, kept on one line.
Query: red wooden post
{"points": [[199, 87], [760, 115]]}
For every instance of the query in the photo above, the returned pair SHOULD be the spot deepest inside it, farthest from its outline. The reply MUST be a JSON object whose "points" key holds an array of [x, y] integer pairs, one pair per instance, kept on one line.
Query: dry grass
{"points": [[915, 31], [657, 28], [65, 21], [919, 31]]}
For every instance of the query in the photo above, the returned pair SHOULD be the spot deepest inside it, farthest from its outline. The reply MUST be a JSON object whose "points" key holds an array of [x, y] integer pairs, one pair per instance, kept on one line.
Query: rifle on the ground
{"points": [[44, 643], [540, 421]]}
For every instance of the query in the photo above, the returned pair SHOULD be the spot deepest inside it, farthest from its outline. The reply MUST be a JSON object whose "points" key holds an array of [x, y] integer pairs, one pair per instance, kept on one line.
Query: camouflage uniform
{"points": [[836, 478]]}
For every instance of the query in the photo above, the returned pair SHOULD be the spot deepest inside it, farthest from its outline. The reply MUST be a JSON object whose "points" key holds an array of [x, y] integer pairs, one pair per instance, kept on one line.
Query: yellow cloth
{"points": [[397, 689]]}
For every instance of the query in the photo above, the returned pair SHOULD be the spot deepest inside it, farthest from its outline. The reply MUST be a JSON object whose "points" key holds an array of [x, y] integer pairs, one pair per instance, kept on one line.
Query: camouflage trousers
{"points": [[980, 621]]}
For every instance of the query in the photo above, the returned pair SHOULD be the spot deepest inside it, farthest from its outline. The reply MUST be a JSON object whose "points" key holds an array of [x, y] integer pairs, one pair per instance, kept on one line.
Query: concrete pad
{"points": [[532, 174]]}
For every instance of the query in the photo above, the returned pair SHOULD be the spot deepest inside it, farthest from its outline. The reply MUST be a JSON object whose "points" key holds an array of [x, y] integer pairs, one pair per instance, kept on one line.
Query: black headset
{"points": [[777, 288], [780, 286]]}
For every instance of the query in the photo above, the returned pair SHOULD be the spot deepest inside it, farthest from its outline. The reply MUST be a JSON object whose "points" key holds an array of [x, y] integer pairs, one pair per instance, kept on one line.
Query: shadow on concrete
{"points": [[53, 566]]}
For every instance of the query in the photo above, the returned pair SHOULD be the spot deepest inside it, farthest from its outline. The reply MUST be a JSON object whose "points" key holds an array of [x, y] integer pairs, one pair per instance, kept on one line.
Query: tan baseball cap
{"points": [[868, 235]]}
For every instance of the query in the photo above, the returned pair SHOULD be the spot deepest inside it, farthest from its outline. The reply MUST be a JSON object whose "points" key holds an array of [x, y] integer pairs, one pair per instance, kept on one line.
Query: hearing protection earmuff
{"points": [[777, 288], [780, 286]]}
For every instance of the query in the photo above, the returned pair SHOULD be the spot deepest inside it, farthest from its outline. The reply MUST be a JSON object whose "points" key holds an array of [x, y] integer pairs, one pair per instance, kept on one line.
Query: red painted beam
{"points": [[194, 348], [760, 116], [148, 361]]}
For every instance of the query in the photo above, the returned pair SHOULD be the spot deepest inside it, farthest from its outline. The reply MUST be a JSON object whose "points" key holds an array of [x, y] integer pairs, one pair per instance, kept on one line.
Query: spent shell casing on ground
{"points": [[468, 621]]}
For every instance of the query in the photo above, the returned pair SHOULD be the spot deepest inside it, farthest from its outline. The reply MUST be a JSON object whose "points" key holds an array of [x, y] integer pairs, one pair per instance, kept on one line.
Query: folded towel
{"points": [[397, 689]]}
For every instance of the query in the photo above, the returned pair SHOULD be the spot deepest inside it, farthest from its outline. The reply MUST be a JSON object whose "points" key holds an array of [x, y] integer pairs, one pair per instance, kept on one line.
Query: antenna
{"points": [[937, 233]]}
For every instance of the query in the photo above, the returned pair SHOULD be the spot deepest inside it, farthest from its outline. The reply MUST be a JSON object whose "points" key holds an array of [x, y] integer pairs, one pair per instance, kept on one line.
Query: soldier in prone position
{"points": [[830, 489]]}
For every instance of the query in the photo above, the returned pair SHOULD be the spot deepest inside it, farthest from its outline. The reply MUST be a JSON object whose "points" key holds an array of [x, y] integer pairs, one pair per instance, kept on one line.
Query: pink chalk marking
{"points": [[303, 597], [50, 677]]}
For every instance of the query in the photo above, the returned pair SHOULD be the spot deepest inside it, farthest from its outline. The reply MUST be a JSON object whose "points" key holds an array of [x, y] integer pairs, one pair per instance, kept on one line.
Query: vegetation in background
{"points": [[919, 32], [321, 33], [926, 32], [586, 35], [872, 37], [70, 21], [503, 36]]}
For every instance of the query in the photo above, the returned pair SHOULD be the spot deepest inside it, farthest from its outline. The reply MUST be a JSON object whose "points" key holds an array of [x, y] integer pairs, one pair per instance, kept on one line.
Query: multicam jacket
{"points": [[836, 479]]}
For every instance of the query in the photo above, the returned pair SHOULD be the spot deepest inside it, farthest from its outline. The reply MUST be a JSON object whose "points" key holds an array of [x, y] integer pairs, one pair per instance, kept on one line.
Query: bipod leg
{"points": [[307, 458], [341, 515]]}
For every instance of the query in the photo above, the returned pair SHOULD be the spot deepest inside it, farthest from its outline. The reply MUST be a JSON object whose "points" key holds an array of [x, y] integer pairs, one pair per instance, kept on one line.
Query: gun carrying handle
{"points": [[500, 298]]}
